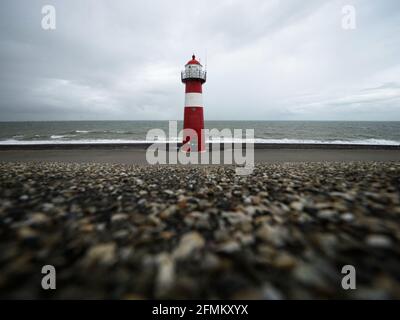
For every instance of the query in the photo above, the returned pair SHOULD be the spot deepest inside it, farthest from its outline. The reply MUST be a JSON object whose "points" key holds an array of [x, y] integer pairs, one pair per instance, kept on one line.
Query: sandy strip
{"points": [[137, 154]]}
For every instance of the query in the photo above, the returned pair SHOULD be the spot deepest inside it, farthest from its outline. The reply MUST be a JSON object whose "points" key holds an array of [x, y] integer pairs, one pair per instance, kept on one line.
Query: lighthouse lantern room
{"points": [[193, 77]]}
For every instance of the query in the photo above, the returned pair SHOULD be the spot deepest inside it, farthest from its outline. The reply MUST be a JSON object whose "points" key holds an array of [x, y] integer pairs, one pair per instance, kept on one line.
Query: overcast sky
{"points": [[266, 60]]}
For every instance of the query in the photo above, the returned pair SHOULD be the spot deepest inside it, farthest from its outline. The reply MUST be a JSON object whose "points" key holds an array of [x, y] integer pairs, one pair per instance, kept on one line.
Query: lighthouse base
{"points": [[194, 120]]}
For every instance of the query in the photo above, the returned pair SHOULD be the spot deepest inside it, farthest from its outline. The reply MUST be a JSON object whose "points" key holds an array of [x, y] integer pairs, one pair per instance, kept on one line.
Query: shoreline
{"points": [[143, 146]]}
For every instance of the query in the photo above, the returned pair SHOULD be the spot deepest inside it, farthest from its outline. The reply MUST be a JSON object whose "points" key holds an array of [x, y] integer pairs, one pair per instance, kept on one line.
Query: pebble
{"points": [[297, 205], [272, 234], [229, 247], [119, 217], [121, 234], [210, 261], [284, 261], [188, 244], [269, 292], [347, 217], [38, 219], [165, 275], [309, 275], [27, 233], [327, 214], [197, 219], [47, 207], [378, 241], [236, 217], [102, 254]]}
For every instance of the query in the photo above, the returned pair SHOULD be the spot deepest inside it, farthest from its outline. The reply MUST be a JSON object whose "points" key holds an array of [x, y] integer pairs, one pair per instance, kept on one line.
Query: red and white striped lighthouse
{"points": [[193, 77]]}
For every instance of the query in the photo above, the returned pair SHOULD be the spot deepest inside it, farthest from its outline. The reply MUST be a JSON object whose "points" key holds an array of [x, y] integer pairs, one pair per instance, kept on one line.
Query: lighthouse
{"points": [[193, 77]]}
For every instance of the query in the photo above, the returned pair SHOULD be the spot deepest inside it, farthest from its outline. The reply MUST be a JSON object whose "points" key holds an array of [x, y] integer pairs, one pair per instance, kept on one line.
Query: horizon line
{"points": [[230, 120]]}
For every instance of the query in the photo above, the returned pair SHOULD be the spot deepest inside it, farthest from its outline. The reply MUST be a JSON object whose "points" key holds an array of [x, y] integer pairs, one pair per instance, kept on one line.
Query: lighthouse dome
{"points": [[193, 61]]}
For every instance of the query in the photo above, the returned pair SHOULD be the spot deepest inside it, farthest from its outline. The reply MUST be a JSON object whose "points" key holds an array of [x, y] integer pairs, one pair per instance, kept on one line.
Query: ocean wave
{"points": [[312, 141], [59, 140], [102, 132], [55, 141]]}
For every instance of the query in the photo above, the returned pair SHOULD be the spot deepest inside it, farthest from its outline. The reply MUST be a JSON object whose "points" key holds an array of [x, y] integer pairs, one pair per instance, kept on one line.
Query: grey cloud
{"points": [[266, 59]]}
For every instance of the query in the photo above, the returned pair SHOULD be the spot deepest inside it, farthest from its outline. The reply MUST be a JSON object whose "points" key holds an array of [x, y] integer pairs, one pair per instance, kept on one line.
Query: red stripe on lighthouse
{"points": [[193, 86]]}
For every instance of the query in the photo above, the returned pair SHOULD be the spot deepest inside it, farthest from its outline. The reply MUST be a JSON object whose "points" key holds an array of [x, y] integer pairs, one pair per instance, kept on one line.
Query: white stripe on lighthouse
{"points": [[193, 99]]}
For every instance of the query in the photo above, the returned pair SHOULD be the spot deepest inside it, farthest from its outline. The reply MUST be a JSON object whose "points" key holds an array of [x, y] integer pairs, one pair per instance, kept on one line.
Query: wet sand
{"points": [[136, 154]]}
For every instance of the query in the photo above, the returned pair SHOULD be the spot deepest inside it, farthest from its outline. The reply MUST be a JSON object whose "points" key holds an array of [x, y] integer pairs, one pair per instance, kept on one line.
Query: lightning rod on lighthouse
{"points": [[193, 77]]}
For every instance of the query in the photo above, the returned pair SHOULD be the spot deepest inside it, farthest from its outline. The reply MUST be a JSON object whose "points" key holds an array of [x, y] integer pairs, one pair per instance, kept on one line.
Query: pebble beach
{"points": [[184, 232]]}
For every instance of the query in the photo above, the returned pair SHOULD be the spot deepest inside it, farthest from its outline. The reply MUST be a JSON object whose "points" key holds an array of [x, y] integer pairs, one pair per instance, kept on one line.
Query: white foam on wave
{"points": [[312, 141], [45, 142], [59, 140]]}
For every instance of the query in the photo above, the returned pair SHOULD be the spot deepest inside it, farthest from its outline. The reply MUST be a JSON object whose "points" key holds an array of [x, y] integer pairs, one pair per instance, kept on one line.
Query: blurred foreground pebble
{"points": [[284, 232]]}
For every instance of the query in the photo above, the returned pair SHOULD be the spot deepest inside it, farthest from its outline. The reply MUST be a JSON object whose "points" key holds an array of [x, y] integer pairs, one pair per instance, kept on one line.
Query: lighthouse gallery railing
{"points": [[194, 74]]}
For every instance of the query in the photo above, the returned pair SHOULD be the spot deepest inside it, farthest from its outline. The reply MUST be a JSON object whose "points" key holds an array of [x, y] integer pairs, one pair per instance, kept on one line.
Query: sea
{"points": [[307, 132]]}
